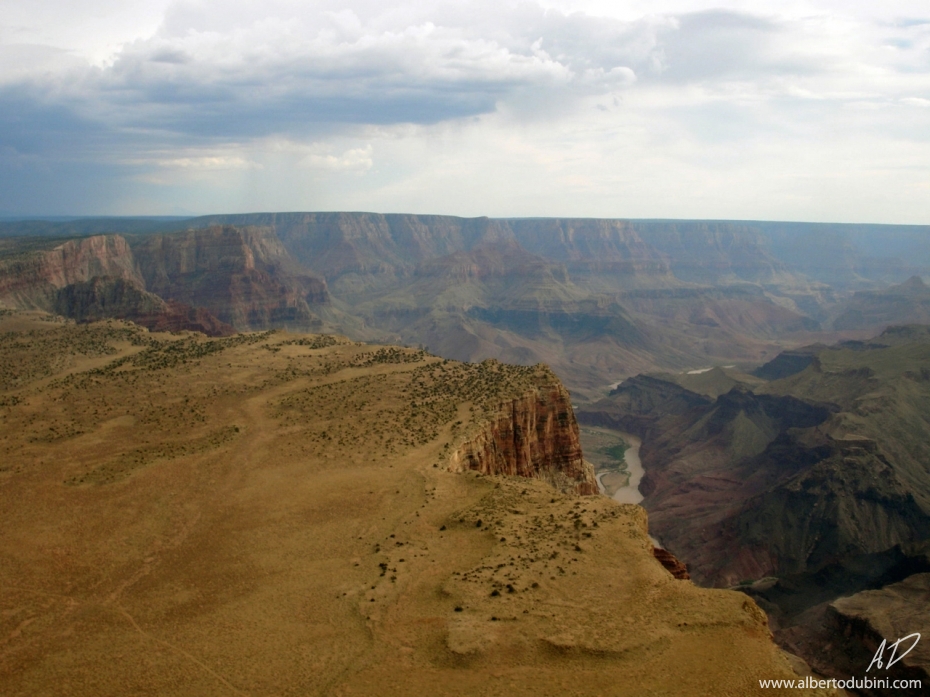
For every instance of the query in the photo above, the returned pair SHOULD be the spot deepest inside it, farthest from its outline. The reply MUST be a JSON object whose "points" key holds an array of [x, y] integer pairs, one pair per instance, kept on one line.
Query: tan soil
{"points": [[267, 519]]}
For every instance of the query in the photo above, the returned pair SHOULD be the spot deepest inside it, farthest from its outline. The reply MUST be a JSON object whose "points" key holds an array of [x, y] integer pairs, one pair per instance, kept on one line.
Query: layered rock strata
{"points": [[95, 278], [244, 276], [671, 563], [534, 435], [105, 297], [30, 280]]}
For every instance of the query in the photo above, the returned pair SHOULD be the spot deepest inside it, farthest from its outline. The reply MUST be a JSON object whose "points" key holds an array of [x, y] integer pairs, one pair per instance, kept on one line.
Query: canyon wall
{"points": [[30, 280], [333, 244], [105, 296], [534, 435], [95, 278], [244, 276], [895, 611]]}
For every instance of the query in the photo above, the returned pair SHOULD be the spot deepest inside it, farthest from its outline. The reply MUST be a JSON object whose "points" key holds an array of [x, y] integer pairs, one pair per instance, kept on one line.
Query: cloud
{"points": [[353, 160], [220, 71], [224, 93]]}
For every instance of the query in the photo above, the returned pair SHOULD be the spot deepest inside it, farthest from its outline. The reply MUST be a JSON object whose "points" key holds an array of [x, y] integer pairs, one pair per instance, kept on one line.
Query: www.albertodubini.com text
{"points": [[810, 682], [885, 657]]}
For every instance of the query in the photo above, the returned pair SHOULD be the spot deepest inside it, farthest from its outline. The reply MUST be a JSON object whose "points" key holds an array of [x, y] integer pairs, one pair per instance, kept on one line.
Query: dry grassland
{"points": [[268, 514]]}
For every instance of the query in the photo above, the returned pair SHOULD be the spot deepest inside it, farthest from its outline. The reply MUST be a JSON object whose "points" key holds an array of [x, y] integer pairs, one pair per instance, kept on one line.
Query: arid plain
{"points": [[276, 514]]}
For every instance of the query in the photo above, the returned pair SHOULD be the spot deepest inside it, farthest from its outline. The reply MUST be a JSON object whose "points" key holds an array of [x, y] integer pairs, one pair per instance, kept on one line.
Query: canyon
{"points": [[773, 372], [800, 484], [597, 300], [218, 280]]}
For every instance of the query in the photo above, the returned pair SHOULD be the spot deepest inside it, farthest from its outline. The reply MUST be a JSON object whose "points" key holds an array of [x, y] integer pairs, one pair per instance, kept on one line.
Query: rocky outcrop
{"points": [[534, 435], [639, 402], [30, 279], [788, 363], [671, 563], [105, 297], [243, 276], [858, 624], [904, 303], [213, 280]]}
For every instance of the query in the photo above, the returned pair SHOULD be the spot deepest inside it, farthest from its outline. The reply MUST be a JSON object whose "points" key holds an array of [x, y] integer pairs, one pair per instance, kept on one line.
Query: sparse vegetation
{"points": [[271, 504]]}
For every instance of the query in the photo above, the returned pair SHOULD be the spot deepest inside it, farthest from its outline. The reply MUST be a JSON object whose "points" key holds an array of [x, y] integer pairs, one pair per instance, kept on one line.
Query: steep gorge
{"points": [[800, 484]]}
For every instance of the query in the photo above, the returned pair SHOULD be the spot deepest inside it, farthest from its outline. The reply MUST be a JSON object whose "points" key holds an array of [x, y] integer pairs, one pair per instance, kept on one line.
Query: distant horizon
{"points": [[64, 218]]}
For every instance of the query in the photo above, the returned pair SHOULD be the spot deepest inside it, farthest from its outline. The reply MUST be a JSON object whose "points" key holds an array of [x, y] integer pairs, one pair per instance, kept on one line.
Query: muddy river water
{"points": [[618, 476], [620, 484], [630, 492]]}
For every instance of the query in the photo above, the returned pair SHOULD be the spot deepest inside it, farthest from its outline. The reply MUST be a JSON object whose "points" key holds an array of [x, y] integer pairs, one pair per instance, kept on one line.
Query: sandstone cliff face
{"points": [[103, 297], [333, 244], [672, 564], [31, 281], [534, 435], [244, 276]]}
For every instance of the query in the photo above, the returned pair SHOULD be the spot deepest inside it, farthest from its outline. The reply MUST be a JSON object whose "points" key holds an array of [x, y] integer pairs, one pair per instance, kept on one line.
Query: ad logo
{"points": [[878, 659]]}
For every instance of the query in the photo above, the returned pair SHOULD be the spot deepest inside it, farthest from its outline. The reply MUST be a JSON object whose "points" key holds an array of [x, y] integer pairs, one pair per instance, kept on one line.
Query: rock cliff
{"points": [[103, 297], [31, 278], [848, 632], [333, 244], [94, 278], [244, 276], [672, 564], [894, 612], [534, 435]]}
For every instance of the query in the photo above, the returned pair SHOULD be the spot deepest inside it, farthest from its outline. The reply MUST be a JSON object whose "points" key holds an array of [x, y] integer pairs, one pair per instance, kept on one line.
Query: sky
{"points": [[813, 110]]}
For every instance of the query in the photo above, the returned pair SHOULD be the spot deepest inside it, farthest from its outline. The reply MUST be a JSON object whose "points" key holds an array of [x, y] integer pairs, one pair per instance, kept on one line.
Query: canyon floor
{"points": [[273, 514]]}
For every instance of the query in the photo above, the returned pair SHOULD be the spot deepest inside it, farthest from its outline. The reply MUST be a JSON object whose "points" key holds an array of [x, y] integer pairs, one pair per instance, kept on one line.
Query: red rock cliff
{"points": [[244, 276], [30, 281], [534, 435]]}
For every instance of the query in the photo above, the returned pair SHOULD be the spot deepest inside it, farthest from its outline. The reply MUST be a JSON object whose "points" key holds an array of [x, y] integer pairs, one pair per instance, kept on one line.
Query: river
{"points": [[597, 441], [630, 492]]}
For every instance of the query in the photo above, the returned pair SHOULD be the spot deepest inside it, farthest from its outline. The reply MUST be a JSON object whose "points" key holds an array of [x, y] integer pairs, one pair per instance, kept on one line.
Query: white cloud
{"points": [[676, 107], [206, 162], [354, 160]]}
